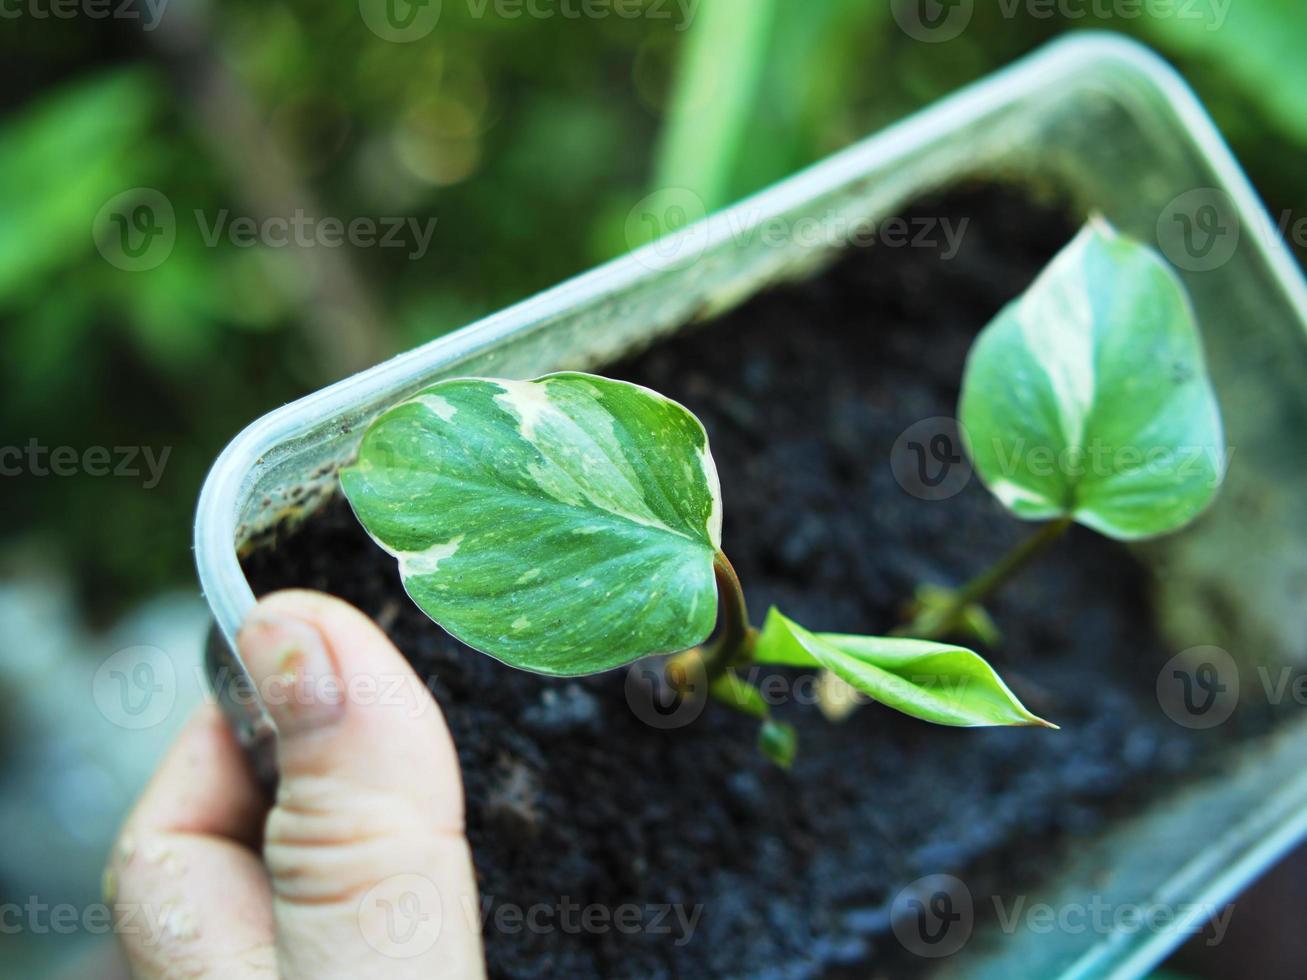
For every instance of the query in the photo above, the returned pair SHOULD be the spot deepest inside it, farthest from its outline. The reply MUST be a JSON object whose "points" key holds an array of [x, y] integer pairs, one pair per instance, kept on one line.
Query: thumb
{"points": [[370, 870]]}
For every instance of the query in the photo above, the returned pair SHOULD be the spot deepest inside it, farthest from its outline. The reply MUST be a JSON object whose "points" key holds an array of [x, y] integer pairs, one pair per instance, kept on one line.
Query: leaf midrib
{"points": [[594, 511]]}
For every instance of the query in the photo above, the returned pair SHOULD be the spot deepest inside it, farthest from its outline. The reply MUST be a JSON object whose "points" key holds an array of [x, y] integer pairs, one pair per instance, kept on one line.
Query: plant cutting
{"points": [[1087, 400]]}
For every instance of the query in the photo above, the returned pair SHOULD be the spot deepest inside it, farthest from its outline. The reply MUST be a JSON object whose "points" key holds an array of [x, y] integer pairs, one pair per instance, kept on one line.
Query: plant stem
{"points": [[733, 645], [935, 625]]}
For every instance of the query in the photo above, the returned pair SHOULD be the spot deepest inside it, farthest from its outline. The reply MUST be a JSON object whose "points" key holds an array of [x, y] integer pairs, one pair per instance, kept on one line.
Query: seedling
{"points": [[1087, 400], [572, 524]]}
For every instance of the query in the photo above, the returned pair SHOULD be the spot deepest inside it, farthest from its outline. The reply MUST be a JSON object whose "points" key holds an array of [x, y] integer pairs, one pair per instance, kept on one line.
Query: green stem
{"points": [[934, 626], [733, 645]]}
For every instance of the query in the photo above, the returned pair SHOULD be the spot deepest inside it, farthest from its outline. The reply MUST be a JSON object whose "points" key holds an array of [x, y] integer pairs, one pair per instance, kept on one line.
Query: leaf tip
{"points": [[1099, 224]]}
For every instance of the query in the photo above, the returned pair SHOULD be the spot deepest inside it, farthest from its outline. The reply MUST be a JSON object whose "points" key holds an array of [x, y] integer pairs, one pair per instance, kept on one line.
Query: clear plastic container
{"points": [[1099, 119]]}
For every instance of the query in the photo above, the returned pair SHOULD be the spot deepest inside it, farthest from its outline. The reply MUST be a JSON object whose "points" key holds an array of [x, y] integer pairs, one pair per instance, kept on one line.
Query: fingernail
{"points": [[293, 674]]}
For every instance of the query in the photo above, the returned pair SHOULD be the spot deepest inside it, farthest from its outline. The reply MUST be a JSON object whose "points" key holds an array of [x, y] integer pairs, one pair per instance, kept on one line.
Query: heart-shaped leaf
{"points": [[1089, 398], [936, 682], [565, 525]]}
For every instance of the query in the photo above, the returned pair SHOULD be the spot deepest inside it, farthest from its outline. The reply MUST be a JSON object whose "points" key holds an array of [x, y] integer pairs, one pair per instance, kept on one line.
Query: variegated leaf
{"points": [[565, 525], [1089, 398]]}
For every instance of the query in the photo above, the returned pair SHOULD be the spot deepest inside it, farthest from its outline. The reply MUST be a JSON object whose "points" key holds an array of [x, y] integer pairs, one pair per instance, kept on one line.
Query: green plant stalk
{"points": [[733, 645], [936, 625]]}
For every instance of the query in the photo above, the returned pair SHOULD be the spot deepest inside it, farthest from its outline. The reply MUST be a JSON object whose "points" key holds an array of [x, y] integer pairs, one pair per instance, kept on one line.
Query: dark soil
{"points": [[574, 801]]}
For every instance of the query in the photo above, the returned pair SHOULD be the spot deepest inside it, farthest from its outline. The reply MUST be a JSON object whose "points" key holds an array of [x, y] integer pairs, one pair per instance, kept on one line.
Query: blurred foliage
{"points": [[528, 139], [714, 98], [1258, 48]]}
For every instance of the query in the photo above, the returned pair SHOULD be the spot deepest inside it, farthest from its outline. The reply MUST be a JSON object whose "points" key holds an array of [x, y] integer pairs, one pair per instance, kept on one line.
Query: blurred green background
{"points": [[525, 129], [527, 138]]}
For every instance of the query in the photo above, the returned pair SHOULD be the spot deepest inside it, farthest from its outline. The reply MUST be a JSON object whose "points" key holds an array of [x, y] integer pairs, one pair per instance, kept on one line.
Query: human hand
{"points": [[365, 869]]}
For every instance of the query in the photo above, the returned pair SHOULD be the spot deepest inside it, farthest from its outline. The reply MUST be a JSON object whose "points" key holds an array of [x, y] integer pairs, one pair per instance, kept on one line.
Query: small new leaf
{"points": [[1089, 397], [935, 682], [778, 742], [565, 525], [735, 692]]}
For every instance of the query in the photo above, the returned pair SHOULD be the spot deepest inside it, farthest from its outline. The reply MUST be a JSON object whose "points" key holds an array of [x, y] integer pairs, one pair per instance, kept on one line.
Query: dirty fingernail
{"points": [[293, 673]]}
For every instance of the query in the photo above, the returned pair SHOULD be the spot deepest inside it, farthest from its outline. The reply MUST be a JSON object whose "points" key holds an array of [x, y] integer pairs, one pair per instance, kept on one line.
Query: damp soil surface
{"points": [[678, 852]]}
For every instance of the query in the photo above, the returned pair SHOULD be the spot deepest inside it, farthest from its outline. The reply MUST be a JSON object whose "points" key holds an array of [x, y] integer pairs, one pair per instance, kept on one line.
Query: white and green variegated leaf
{"points": [[935, 682], [1088, 397], [566, 525]]}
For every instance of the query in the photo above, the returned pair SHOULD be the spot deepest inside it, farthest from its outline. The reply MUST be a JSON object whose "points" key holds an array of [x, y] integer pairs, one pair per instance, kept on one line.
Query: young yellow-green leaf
{"points": [[735, 692], [1089, 398], [779, 742], [565, 525], [936, 682]]}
